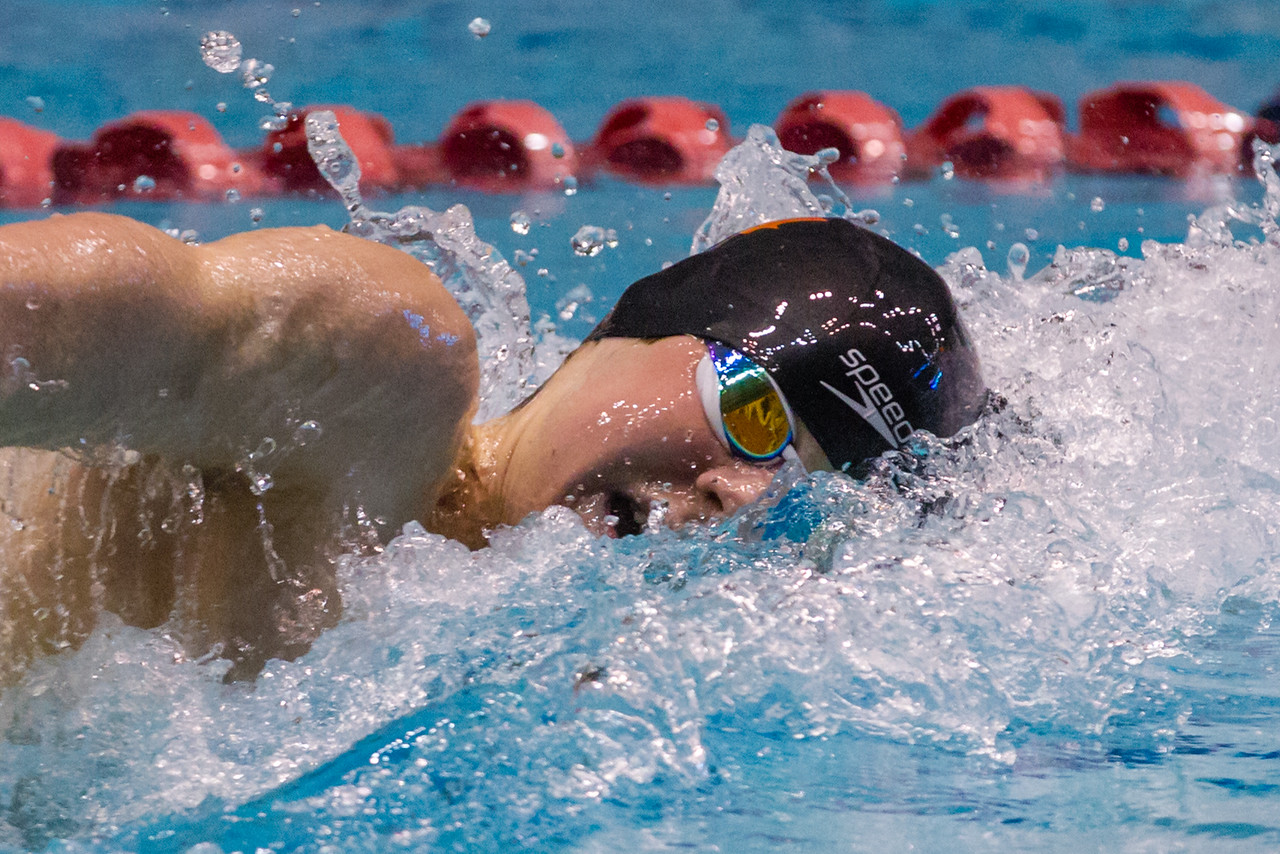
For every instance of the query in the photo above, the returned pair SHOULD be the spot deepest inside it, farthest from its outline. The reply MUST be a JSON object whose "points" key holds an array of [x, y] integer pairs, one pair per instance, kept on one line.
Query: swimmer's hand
{"points": [[346, 361]]}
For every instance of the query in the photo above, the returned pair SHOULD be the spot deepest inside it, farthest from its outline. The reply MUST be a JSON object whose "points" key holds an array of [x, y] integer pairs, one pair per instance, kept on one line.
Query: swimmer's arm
{"points": [[114, 333]]}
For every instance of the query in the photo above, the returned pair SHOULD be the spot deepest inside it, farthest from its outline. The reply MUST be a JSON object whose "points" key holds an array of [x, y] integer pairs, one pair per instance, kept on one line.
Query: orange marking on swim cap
{"points": [[780, 222]]}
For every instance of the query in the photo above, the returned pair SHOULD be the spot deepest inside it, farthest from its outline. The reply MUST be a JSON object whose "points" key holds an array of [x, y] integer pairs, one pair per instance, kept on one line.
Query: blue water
{"points": [[1055, 633]]}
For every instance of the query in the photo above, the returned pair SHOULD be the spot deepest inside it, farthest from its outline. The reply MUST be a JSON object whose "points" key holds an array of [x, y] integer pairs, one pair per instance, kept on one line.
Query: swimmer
{"points": [[192, 434]]}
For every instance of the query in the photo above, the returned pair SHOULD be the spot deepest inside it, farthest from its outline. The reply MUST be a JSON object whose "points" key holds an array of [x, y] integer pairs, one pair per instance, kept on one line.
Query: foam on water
{"points": [[970, 609]]}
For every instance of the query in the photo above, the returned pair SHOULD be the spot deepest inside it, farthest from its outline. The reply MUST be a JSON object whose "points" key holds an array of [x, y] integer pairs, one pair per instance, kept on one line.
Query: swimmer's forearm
{"points": [[115, 333]]}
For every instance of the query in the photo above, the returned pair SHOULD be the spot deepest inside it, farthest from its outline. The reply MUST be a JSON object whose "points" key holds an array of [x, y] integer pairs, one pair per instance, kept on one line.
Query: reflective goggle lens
{"points": [[752, 413]]}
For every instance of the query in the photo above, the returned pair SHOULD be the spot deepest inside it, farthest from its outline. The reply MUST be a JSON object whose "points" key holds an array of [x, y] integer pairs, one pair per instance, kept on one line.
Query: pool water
{"points": [[1054, 632]]}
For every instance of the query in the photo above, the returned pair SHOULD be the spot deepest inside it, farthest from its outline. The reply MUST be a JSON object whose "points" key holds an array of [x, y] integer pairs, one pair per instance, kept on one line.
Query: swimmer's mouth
{"points": [[631, 517]]}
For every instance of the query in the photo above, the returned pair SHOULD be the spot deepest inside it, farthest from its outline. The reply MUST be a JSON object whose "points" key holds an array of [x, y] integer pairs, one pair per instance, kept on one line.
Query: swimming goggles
{"points": [[743, 404]]}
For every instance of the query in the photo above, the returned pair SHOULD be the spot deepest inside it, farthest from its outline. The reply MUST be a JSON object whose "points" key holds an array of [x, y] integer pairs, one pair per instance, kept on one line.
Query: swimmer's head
{"points": [[861, 337]]}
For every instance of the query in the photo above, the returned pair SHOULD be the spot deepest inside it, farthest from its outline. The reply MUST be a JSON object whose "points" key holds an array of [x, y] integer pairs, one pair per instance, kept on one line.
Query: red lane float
{"points": [[1001, 133], [1167, 128], [507, 146], [160, 154], [868, 134], [26, 164], [288, 166], [661, 140]]}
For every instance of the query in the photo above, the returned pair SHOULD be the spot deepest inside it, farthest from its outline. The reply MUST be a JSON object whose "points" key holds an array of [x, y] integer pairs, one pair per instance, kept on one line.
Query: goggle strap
{"points": [[709, 390]]}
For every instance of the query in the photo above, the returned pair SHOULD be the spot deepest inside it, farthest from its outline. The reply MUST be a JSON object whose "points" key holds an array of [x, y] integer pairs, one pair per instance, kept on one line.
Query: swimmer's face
{"points": [[621, 429]]}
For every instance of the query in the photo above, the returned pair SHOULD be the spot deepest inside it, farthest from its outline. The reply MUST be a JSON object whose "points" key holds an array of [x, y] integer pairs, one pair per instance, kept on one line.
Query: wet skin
{"points": [[618, 431], [189, 356]]}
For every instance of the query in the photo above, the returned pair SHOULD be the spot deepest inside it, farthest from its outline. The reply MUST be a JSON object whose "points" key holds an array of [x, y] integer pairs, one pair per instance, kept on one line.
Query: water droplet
{"points": [[588, 241], [1032, 234], [221, 106], [33, 303], [220, 51], [557, 150], [266, 448], [144, 184], [1019, 256], [233, 195], [1097, 205], [522, 258], [520, 222], [870, 216], [255, 73], [189, 236], [949, 227], [713, 125], [479, 27], [334, 158], [36, 103], [296, 12], [273, 123], [1123, 244], [260, 483], [570, 186], [255, 214], [307, 431], [611, 238]]}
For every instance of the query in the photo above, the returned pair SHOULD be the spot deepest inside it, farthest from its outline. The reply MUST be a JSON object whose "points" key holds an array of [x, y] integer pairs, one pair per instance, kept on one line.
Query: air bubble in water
{"points": [[36, 103], [220, 51], [713, 125], [520, 222], [233, 195], [1097, 205], [570, 186], [1032, 234], [255, 214], [221, 106], [588, 241], [479, 27], [1018, 258], [144, 184], [1123, 244], [868, 216], [947, 170], [557, 150], [827, 156]]}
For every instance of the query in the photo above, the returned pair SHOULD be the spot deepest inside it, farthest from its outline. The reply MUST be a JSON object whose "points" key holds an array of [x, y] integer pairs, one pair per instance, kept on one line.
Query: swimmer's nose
{"points": [[728, 488]]}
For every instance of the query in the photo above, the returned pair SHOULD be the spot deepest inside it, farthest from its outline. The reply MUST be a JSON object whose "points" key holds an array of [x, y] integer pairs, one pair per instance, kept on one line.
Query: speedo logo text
{"points": [[875, 403]]}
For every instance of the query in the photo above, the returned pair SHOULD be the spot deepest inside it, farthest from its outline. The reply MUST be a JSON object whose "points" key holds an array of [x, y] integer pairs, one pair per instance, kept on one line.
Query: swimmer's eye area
{"points": [[743, 404]]}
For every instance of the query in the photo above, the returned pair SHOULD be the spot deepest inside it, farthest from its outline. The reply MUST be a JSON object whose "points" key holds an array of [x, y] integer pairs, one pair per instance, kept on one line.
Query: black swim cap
{"points": [[862, 337]]}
